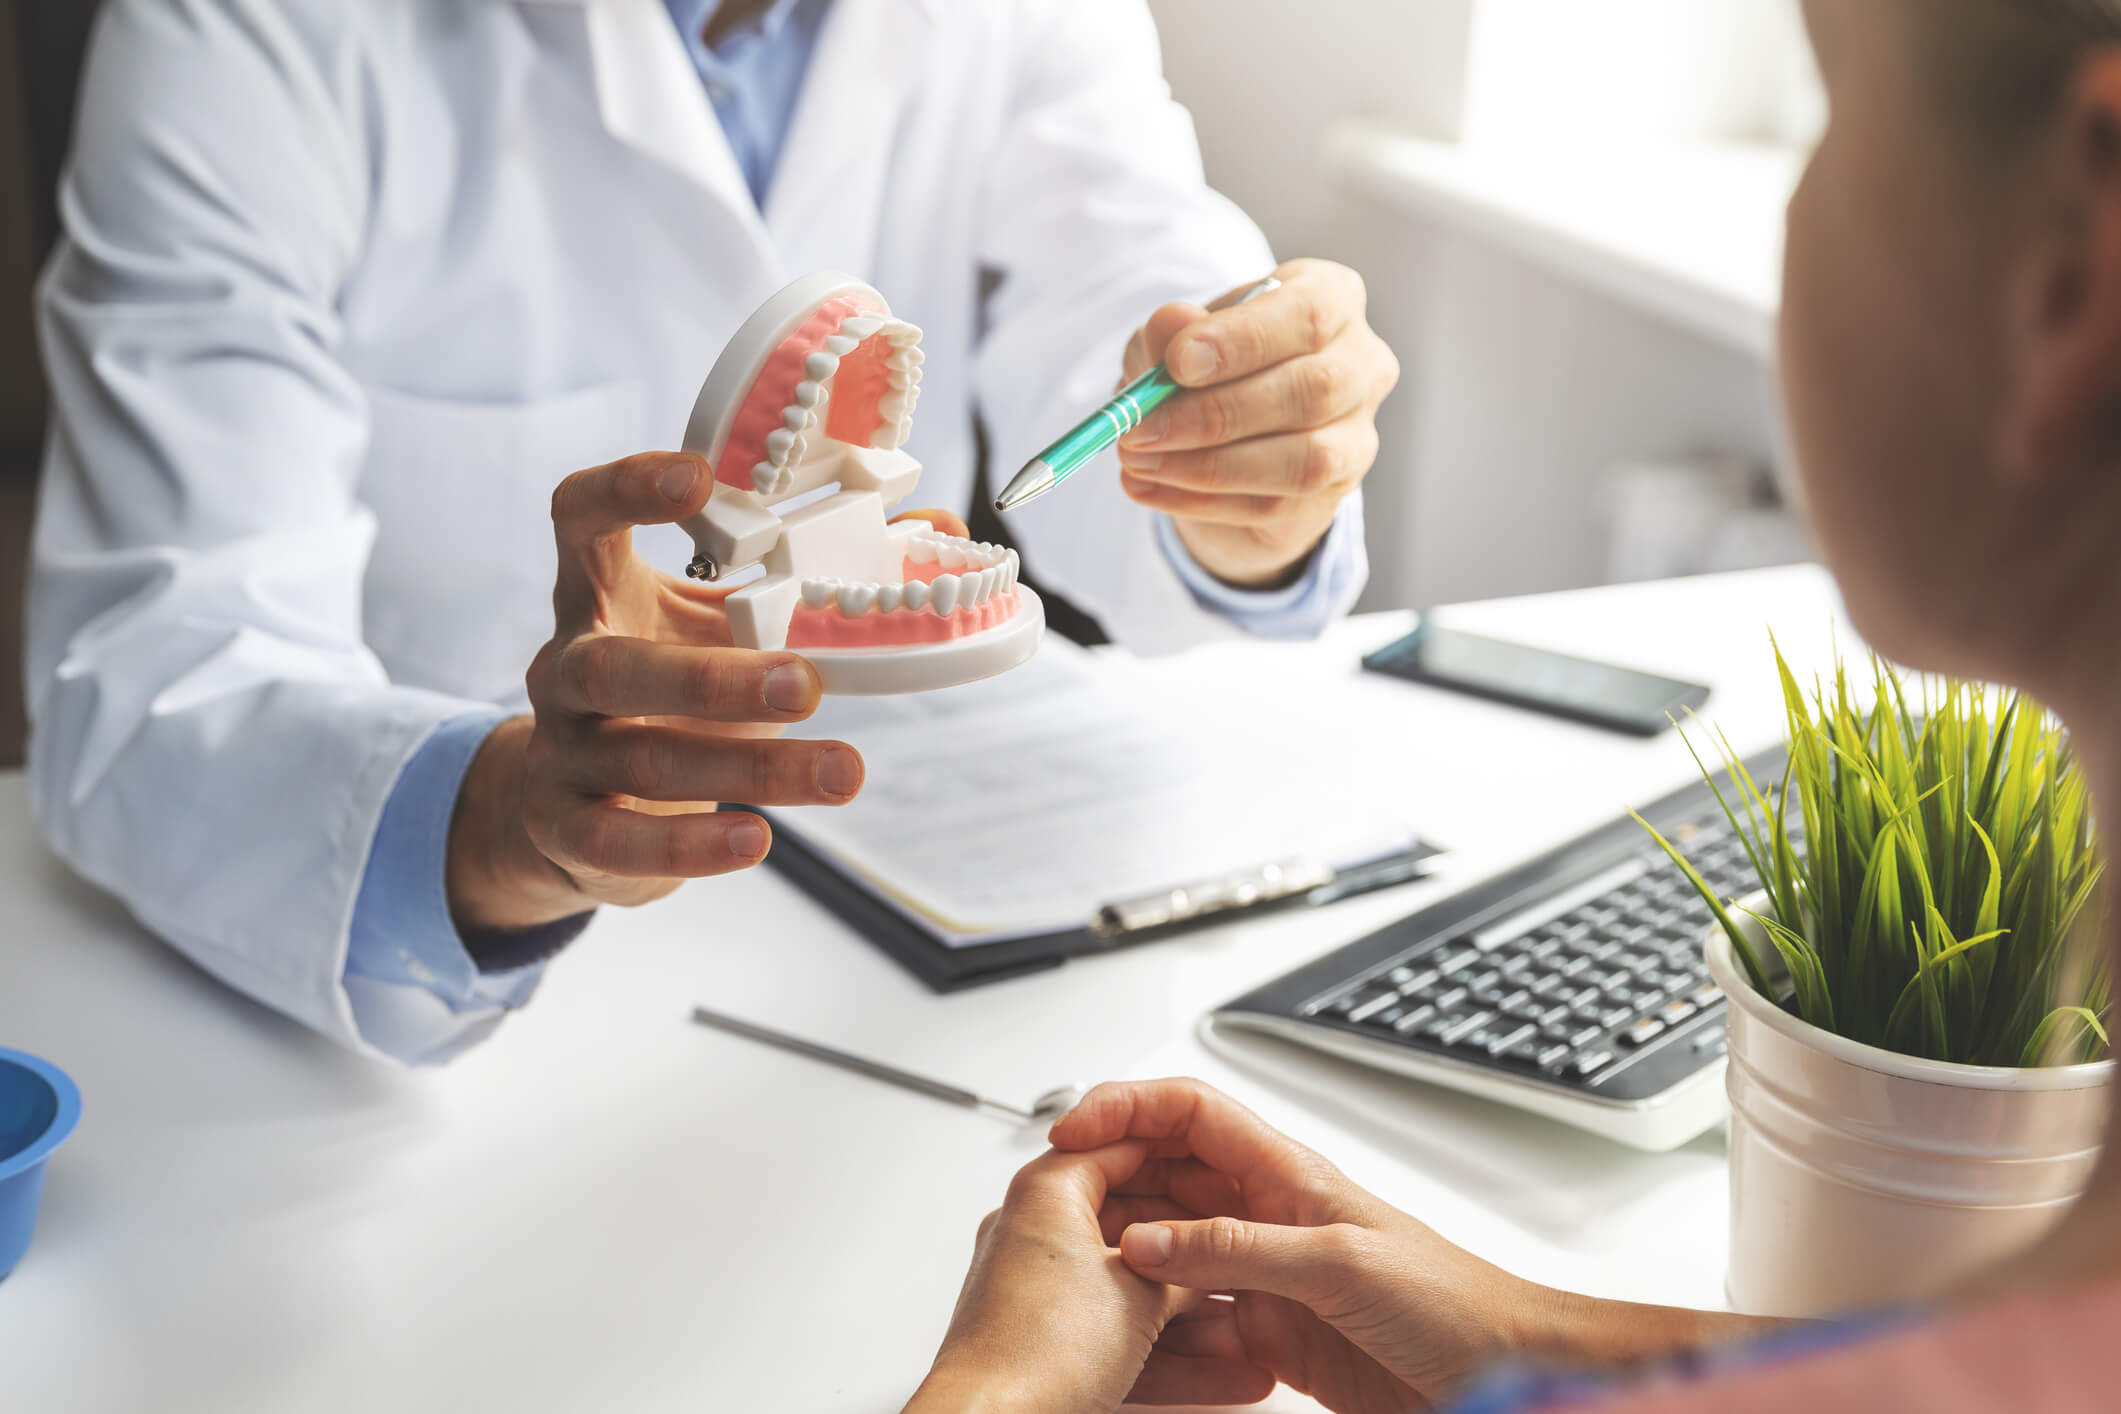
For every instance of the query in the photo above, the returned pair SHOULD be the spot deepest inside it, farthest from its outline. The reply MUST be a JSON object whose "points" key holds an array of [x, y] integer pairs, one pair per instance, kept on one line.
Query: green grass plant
{"points": [[1943, 902]]}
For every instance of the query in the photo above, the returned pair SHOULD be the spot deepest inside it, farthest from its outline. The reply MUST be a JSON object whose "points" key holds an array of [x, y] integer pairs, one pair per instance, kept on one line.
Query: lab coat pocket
{"points": [[459, 590]]}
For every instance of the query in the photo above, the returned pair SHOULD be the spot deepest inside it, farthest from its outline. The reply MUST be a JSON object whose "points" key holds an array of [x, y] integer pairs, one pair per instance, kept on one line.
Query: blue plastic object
{"points": [[39, 1107]]}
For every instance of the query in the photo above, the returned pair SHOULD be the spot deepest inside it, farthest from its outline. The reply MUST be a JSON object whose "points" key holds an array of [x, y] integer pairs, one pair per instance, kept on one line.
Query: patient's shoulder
{"points": [[2052, 1351]]}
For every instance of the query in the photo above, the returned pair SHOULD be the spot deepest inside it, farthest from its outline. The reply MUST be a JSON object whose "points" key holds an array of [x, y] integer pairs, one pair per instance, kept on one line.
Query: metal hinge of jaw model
{"points": [[818, 389]]}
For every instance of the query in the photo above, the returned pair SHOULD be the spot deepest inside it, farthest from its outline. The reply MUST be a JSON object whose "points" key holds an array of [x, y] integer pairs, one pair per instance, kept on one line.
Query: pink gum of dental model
{"points": [[814, 398]]}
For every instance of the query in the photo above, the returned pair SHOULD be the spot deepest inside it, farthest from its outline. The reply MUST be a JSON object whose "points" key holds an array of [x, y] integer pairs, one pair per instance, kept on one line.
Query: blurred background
{"points": [[1569, 214]]}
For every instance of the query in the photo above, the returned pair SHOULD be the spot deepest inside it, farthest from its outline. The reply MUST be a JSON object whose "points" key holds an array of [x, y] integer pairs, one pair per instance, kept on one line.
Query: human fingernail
{"points": [[677, 483], [1196, 362], [747, 839], [788, 688], [1142, 461], [1146, 1245], [1152, 431], [839, 771]]}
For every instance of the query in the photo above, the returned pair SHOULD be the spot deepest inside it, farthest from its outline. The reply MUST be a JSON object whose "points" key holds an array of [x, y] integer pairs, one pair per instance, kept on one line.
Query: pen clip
{"points": [[1242, 888]]}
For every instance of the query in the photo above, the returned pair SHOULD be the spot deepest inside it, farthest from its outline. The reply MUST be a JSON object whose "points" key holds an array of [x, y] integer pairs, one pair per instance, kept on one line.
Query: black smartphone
{"points": [[1577, 688]]}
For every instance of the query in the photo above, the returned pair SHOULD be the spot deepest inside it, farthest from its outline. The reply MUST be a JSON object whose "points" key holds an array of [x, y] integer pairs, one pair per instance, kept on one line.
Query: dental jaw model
{"points": [[817, 389]]}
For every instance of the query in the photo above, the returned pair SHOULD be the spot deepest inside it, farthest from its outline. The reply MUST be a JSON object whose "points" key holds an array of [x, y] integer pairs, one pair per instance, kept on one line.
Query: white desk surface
{"points": [[607, 1208], [1689, 232]]}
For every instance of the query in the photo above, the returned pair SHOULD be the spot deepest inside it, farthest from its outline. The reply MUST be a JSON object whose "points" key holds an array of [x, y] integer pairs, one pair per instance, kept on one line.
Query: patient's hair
{"points": [[2002, 67]]}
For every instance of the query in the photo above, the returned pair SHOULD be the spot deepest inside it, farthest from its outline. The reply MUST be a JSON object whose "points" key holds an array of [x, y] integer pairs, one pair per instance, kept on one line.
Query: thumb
{"points": [[1306, 1264]]}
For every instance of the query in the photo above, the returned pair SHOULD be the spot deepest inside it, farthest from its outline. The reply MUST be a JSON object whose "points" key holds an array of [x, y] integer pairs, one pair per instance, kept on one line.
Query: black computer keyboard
{"points": [[1573, 985]]}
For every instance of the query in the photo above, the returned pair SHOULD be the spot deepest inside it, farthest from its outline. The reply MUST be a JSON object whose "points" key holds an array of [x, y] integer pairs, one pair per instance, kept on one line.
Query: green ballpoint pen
{"points": [[1107, 425]]}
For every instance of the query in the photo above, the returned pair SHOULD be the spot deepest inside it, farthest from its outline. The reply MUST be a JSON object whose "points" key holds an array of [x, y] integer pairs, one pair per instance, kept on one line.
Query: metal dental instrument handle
{"points": [[1047, 1107]]}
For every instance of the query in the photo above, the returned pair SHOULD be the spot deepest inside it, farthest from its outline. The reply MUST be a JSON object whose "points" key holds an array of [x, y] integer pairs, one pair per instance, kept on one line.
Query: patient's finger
{"points": [[1205, 1191], [1209, 1331], [1184, 1379], [1221, 1132], [1122, 1210]]}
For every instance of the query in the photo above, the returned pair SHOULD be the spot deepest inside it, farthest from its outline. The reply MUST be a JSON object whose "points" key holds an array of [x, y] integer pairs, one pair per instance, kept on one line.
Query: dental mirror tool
{"points": [[1044, 1110], [1108, 424]]}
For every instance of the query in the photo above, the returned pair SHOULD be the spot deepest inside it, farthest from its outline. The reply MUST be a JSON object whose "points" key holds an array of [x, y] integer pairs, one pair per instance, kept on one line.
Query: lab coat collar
{"points": [[869, 60], [649, 96]]}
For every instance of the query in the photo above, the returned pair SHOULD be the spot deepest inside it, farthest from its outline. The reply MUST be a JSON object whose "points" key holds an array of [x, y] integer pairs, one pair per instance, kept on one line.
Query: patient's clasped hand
{"points": [[1338, 1293]]}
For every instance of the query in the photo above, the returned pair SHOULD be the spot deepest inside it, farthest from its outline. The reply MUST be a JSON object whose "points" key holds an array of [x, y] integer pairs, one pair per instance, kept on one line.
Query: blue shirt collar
{"points": [[691, 17]]}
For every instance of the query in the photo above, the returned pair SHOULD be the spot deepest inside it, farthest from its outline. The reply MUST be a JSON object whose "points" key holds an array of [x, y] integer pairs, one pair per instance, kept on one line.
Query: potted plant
{"points": [[1917, 995]]}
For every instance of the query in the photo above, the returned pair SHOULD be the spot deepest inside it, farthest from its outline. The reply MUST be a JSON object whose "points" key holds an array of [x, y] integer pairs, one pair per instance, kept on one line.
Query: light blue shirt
{"points": [[415, 991]]}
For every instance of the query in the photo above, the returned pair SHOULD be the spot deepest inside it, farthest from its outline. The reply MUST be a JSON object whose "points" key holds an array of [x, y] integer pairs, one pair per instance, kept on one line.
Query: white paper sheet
{"points": [[1021, 804]]}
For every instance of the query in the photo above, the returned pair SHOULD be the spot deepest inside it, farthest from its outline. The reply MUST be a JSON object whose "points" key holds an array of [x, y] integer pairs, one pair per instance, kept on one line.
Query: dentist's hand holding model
{"points": [[361, 662]]}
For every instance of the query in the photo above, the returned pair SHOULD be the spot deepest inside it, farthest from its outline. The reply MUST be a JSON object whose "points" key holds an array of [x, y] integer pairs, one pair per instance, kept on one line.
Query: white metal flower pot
{"points": [[1861, 1177]]}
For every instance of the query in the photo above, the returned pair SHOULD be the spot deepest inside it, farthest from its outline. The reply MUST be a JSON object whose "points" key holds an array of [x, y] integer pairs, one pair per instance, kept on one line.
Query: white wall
{"points": [[1521, 390], [1264, 77]]}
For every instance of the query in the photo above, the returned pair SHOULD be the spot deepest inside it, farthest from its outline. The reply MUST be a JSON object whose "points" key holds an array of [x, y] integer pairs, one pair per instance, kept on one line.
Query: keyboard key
{"points": [[1413, 1018], [1552, 1017], [1606, 951], [1504, 1036], [1607, 978], [1581, 1036], [1546, 946], [1609, 1017], [1524, 1053], [1465, 1025], [1457, 958], [1450, 997], [1590, 1063], [1400, 976], [1494, 1037], [1514, 965], [1551, 1055], [1705, 996], [1675, 1012], [1586, 997], [1385, 1019], [1486, 977], [1550, 987], [1440, 1025], [1642, 1032], [1574, 966], [1373, 1002], [1520, 1004], [1489, 994], [1421, 980]]}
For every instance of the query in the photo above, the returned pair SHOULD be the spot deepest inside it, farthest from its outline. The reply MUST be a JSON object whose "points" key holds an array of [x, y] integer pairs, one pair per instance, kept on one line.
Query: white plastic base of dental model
{"points": [[923, 667]]}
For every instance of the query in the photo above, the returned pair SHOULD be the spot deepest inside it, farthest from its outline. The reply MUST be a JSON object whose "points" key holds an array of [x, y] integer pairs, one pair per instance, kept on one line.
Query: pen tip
{"points": [[1000, 504]]}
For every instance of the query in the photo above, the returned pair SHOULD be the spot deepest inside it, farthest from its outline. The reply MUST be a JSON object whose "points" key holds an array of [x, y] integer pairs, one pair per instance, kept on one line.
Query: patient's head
{"points": [[1952, 332]]}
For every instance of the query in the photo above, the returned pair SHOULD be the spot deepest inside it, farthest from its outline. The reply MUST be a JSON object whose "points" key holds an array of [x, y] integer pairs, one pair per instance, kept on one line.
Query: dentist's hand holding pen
{"points": [[1277, 425]]}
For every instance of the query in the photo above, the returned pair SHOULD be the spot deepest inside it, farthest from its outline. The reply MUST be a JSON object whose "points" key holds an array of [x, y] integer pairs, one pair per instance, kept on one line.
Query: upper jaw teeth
{"points": [[945, 594], [902, 369], [930, 547]]}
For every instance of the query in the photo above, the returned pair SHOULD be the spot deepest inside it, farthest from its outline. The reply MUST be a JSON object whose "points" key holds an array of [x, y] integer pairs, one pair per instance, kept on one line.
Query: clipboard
{"points": [[944, 968]]}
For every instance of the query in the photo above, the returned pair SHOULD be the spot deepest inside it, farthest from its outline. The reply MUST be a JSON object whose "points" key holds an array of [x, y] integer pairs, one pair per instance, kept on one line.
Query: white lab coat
{"points": [[347, 288]]}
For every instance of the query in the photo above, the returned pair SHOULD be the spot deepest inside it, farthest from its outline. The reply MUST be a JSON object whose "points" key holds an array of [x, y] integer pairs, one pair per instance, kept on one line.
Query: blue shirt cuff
{"points": [[404, 953], [1327, 590]]}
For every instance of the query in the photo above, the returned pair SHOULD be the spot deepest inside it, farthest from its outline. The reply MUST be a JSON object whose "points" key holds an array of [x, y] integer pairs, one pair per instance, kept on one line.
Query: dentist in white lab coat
{"points": [[346, 671]]}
